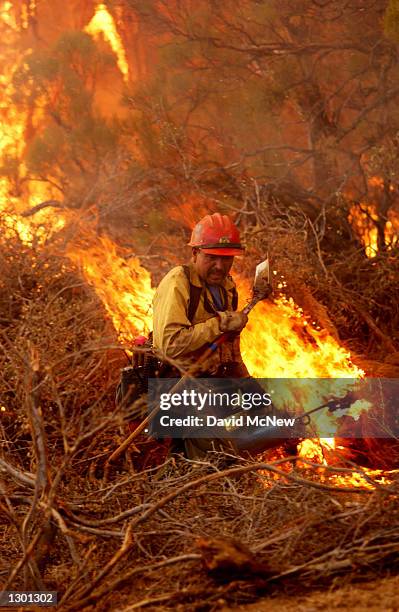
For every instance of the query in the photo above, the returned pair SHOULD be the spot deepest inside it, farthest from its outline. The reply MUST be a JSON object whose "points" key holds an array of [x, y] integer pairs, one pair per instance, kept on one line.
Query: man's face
{"points": [[213, 269]]}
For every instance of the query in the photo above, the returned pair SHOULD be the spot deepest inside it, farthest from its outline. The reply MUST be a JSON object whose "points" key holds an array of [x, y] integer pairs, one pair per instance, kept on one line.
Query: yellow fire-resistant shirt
{"points": [[176, 337]]}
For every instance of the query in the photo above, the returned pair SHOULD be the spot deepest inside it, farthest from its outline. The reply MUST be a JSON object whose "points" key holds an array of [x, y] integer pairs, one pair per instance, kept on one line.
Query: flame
{"points": [[103, 23], [278, 342], [322, 452], [12, 145], [363, 217], [14, 122], [12, 125], [362, 220], [313, 449], [361, 479], [122, 284]]}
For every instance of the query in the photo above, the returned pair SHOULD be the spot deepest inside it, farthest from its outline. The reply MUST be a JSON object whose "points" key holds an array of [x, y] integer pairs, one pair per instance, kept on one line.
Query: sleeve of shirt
{"points": [[173, 333]]}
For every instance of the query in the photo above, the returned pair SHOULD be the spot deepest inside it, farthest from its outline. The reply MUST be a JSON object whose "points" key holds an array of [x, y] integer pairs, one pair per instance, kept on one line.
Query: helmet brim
{"points": [[224, 252]]}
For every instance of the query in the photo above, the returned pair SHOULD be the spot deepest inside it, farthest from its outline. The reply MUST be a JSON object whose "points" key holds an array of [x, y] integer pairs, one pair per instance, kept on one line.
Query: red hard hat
{"points": [[217, 235]]}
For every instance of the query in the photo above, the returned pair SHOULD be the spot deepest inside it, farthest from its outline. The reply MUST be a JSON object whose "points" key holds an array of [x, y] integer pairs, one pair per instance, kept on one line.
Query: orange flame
{"points": [[362, 221], [12, 143], [278, 342], [103, 24], [122, 284], [363, 217]]}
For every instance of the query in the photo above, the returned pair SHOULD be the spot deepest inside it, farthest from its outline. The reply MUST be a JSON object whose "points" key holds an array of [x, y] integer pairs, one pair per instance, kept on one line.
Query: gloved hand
{"points": [[232, 321]]}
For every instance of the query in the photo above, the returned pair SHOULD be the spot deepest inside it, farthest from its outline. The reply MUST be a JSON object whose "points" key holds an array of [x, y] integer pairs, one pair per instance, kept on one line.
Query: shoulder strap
{"points": [[234, 301], [234, 296], [195, 295]]}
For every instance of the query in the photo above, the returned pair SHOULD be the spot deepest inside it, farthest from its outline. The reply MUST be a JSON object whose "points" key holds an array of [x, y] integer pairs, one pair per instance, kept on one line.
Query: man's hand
{"points": [[232, 321]]}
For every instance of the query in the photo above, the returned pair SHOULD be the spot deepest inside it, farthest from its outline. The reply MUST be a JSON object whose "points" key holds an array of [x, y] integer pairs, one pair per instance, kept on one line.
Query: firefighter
{"points": [[195, 304]]}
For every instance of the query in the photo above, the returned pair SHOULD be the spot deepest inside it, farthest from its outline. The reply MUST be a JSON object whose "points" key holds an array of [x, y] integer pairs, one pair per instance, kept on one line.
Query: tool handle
{"points": [[251, 305]]}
